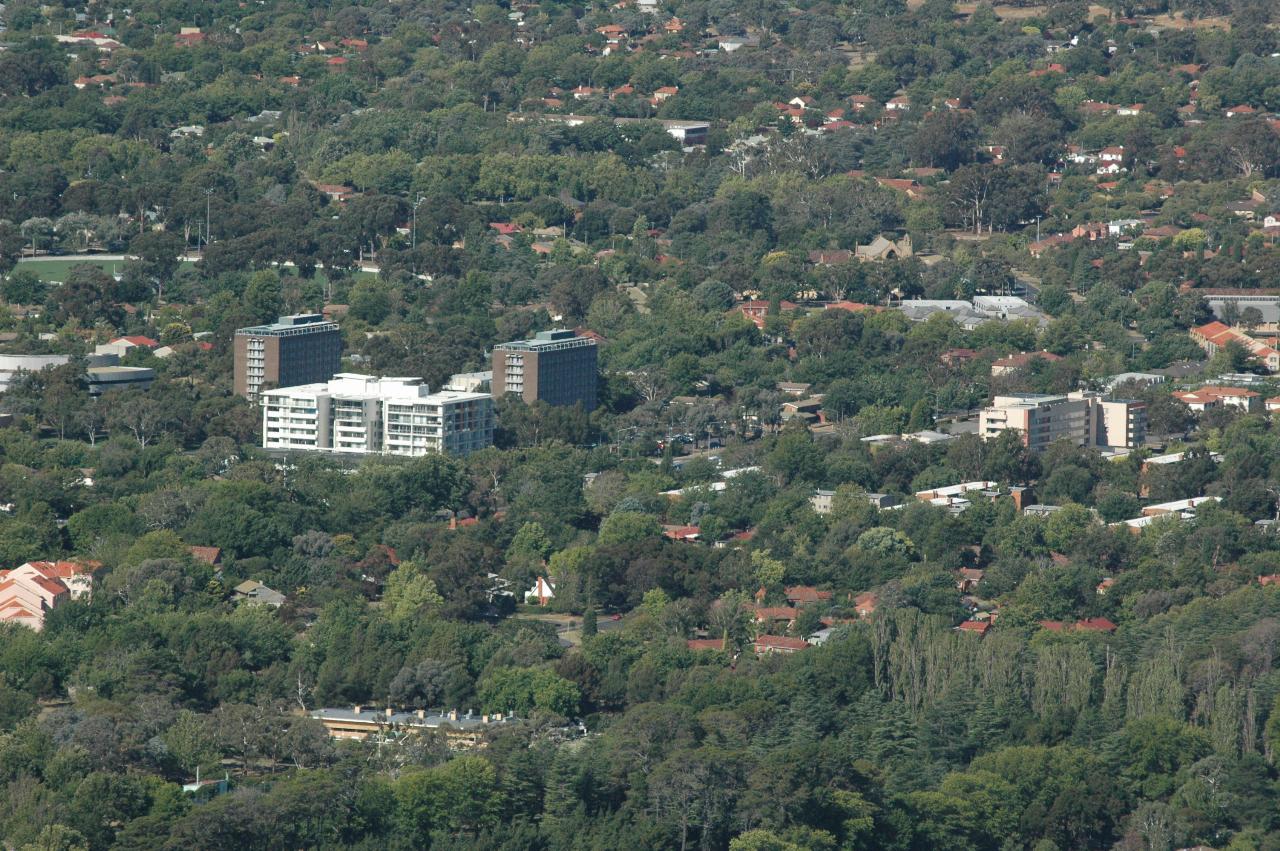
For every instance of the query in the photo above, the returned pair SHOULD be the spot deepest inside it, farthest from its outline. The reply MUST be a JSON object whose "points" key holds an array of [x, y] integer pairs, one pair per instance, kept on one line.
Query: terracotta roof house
{"points": [[904, 185], [1208, 398], [957, 357], [706, 644], [979, 627], [801, 594], [28, 593], [766, 614], [1214, 336], [208, 555], [682, 533], [853, 307], [767, 644], [830, 257], [1095, 625], [1022, 360]]}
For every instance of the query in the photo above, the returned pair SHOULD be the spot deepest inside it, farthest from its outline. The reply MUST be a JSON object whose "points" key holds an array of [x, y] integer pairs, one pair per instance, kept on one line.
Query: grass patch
{"points": [[54, 270]]}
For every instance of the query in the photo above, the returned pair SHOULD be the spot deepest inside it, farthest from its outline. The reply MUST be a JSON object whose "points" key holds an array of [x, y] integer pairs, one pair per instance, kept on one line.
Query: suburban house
{"points": [[717, 644], [802, 595], [252, 591], [968, 578], [462, 731], [121, 346], [765, 645], [769, 616], [757, 310], [543, 591], [1020, 361], [208, 555]]}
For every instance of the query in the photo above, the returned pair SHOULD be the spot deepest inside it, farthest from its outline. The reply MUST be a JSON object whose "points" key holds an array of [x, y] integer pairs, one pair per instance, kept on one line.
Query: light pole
{"points": [[208, 200], [413, 235]]}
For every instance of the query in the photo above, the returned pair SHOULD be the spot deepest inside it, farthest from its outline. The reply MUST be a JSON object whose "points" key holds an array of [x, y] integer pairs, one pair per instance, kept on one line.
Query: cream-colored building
{"points": [[1083, 418], [362, 414]]}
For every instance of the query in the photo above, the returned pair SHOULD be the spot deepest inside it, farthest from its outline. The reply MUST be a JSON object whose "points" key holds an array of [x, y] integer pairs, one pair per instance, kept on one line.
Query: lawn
{"points": [[55, 269]]}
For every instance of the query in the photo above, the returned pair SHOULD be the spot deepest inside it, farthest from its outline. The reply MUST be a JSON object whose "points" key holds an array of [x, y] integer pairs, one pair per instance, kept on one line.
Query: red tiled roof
{"points": [[208, 555], [979, 627], [1024, 358], [1095, 625], [705, 644], [776, 613], [1053, 626], [806, 594]]}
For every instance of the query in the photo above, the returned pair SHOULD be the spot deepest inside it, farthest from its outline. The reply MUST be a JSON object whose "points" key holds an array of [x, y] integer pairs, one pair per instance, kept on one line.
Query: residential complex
{"points": [[28, 593], [975, 313], [1210, 397], [556, 367], [362, 414], [1083, 418], [462, 731], [1216, 335], [301, 349]]}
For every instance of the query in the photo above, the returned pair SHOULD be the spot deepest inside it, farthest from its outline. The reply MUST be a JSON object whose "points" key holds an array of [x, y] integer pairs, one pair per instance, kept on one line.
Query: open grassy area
{"points": [[55, 269]]}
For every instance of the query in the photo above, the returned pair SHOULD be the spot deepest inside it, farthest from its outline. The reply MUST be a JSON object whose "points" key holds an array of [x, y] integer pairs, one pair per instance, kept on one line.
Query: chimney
{"points": [[484, 718], [453, 522], [389, 712], [422, 714], [497, 716], [358, 708], [453, 715]]}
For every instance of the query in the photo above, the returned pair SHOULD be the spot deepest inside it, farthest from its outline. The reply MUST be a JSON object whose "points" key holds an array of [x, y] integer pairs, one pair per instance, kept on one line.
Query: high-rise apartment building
{"points": [[1085, 419], [301, 349], [361, 414], [556, 367]]}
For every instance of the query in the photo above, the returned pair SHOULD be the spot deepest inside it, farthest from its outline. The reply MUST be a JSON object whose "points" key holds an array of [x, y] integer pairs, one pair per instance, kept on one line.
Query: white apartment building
{"points": [[1085, 419], [363, 414]]}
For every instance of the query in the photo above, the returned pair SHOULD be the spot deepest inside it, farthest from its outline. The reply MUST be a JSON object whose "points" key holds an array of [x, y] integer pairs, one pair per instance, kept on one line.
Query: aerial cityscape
{"points": [[654, 424]]}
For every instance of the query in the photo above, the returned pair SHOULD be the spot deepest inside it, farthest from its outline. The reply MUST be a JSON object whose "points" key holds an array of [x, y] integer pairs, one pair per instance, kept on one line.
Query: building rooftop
{"points": [[560, 338], [427, 718], [354, 386], [295, 323]]}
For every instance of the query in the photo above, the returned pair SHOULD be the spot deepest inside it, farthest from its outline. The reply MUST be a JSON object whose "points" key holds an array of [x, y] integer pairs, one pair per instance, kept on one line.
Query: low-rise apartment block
{"points": [[362, 415], [1208, 398], [28, 593], [1083, 418], [1215, 336]]}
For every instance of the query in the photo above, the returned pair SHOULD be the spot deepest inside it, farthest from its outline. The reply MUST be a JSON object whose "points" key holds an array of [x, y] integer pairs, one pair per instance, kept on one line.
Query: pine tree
{"points": [[589, 621]]}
